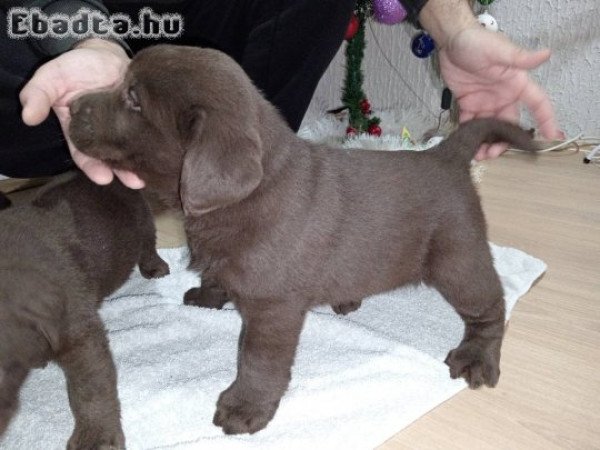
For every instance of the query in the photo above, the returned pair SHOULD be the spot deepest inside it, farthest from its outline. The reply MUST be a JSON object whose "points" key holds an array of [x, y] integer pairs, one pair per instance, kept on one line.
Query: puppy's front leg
{"points": [[267, 348], [150, 263], [92, 386], [12, 377]]}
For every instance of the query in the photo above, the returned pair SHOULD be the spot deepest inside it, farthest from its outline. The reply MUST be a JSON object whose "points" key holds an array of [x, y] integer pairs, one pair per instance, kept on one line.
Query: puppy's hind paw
{"points": [[475, 364], [205, 297]]}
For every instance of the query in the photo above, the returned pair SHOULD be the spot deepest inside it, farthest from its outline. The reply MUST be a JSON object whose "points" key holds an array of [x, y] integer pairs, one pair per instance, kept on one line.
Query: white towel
{"points": [[356, 381]]}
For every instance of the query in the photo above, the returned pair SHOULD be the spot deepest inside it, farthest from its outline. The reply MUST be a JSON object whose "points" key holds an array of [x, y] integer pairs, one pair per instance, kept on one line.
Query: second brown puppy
{"points": [[278, 225], [73, 245]]}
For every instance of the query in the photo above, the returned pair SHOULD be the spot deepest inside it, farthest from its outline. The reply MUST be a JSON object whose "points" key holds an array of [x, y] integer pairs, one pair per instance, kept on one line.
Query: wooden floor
{"points": [[549, 392]]}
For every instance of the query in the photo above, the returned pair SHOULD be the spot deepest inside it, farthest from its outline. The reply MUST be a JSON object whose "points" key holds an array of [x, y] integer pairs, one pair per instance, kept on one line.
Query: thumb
{"points": [[36, 104], [40, 94], [527, 60], [510, 54]]}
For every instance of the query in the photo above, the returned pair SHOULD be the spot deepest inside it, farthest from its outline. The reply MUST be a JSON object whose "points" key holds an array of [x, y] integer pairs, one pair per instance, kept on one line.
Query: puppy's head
{"points": [[185, 120]]}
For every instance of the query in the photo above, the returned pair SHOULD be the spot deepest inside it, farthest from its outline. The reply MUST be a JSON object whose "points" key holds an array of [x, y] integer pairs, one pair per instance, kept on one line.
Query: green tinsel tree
{"points": [[353, 96]]}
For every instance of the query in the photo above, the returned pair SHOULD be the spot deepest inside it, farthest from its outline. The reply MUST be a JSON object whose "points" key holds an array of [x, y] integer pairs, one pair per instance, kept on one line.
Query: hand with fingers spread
{"points": [[488, 75], [486, 72], [93, 64]]}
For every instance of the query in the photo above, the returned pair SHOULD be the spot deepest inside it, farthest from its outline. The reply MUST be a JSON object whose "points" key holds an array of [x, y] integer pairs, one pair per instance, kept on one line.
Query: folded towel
{"points": [[356, 381]]}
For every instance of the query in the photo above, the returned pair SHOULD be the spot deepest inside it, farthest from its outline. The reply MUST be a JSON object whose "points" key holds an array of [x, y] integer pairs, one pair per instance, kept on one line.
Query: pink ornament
{"points": [[389, 12]]}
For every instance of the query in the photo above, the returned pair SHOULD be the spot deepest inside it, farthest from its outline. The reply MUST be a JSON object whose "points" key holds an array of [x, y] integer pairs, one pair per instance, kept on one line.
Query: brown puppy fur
{"points": [[278, 225], [4, 201], [61, 255]]}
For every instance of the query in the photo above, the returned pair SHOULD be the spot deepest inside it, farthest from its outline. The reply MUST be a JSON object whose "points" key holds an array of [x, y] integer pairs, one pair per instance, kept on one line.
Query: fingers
{"points": [[487, 151], [509, 113], [95, 169], [534, 97], [490, 151], [465, 116], [36, 104], [100, 173], [482, 152], [129, 179], [524, 59], [538, 102], [504, 52], [40, 93]]}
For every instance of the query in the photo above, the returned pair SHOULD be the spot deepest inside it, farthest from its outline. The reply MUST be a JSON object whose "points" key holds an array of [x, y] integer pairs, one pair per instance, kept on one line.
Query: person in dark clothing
{"points": [[284, 45]]}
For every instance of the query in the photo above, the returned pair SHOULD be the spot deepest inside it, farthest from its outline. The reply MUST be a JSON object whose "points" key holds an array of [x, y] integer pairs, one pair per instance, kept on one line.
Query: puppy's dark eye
{"points": [[132, 99]]}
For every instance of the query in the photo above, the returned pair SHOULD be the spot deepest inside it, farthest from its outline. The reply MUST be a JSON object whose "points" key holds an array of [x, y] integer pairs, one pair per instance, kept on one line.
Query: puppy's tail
{"points": [[463, 143]]}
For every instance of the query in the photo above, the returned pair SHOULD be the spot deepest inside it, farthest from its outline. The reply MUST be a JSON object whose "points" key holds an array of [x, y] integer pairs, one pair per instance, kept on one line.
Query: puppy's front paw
{"points": [[237, 416], [345, 308], [205, 297], [154, 268], [476, 363], [94, 438]]}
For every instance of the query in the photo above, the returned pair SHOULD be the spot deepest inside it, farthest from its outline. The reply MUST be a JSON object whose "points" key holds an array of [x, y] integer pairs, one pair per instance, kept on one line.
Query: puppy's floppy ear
{"points": [[222, 162]]}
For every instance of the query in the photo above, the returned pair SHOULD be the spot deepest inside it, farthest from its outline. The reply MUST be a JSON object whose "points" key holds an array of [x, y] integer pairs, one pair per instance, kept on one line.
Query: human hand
{"points": [[488, 76], [486, 72], [92, 64]]}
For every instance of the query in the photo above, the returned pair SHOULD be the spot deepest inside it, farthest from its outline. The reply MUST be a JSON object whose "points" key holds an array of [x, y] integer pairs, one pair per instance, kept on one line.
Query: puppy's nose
{"points": [[75, 106], [78, 106]]}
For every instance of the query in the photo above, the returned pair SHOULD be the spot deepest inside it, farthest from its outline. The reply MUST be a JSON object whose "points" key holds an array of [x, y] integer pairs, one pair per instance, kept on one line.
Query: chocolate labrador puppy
{"points": [[62, 254], [278, 225]]}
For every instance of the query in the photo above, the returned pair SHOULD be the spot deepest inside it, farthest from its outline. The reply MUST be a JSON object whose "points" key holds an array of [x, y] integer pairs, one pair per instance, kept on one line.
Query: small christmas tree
{"points": [[353, 97]]}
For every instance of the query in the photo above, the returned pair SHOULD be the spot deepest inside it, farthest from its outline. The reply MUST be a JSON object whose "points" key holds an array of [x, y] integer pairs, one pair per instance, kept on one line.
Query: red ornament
{"points": [[374, 130], [365, 106], [350, 131], [352, 27]]}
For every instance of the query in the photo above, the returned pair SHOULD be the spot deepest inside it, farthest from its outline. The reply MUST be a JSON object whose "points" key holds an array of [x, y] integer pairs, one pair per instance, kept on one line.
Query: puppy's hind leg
{"points": [[92, 387], [463, 272]]}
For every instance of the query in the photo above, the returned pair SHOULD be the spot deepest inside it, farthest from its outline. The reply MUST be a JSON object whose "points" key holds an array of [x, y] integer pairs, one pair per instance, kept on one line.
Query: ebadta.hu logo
{"points": [[34, 23]]}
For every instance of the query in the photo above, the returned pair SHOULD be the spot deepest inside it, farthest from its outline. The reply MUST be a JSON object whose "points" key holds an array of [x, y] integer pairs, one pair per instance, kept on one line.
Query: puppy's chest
{"points": [[211, 243], [236, 257]]}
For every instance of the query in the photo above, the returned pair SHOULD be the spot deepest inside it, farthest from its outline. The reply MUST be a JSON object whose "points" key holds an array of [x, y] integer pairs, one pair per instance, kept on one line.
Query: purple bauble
{"points": [[389, 12]]}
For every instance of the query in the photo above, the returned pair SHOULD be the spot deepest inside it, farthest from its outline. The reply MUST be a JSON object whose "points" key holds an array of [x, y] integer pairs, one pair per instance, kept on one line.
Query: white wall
{"points": [[571, 28]]}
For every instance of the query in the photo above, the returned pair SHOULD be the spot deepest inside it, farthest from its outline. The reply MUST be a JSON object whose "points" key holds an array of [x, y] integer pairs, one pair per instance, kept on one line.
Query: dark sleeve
{"points": [[413, 9], [50, 46]]}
